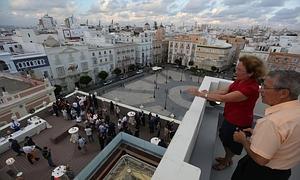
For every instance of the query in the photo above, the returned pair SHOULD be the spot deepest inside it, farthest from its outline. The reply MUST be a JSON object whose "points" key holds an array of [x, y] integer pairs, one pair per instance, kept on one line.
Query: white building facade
{"points": [[102, 59], [68, 63]]}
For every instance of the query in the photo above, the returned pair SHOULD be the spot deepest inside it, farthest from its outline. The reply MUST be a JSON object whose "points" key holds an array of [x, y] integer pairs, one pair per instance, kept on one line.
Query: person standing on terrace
{"points": [[240, 99], [274, 147], [15, 125]]}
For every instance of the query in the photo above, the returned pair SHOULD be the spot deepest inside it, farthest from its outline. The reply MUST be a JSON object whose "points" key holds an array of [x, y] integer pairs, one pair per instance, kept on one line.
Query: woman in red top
{"points": [[240, 99]]}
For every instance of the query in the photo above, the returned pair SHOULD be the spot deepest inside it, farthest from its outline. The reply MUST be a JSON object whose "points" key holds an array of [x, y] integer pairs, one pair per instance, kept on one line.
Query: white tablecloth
{"points": [[131, 119], [59, 171], [36, 126], [155, 140]]}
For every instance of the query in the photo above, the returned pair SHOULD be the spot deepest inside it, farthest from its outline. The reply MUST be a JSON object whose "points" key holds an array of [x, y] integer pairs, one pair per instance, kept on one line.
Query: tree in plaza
{"points": [[131, 67], [57, 89], [117, 71], [193, 70], [102, 75], [201, 72], [177, 61], [85, 80], [191, 63], [214, 68]]}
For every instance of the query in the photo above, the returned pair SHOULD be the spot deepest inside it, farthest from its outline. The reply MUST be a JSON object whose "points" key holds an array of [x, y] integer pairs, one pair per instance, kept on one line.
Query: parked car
{"points": [[139, 71], [107, 82], [123, 77]]}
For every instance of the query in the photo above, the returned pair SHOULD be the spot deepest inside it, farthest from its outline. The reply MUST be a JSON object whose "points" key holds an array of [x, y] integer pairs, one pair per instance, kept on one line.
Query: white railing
{"points": [[126, 106]]}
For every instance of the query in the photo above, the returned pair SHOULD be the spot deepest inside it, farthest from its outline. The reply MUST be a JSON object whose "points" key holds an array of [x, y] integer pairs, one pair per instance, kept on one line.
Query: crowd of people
{"points": [[96, 118]]}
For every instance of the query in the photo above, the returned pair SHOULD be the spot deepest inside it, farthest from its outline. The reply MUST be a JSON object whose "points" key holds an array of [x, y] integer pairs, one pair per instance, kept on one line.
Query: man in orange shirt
{"points": [[274, 147]]}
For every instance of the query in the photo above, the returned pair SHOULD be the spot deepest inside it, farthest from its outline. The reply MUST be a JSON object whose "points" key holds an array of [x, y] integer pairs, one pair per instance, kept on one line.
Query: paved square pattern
{"points": [[170, 95]]}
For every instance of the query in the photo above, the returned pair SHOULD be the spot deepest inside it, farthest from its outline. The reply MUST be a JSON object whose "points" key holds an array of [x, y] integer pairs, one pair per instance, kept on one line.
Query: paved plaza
{"points": [[141, 92]]}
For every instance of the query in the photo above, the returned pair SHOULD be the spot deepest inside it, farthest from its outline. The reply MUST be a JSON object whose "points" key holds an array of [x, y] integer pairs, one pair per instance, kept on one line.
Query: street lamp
{"points": [[154, 89], [166, 91], [156, 81], [198, 73], [166, 75], [181, 75]]}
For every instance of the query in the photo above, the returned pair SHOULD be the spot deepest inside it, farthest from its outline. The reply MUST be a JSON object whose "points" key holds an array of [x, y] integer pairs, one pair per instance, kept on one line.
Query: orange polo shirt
{"points": [[277, 136]]}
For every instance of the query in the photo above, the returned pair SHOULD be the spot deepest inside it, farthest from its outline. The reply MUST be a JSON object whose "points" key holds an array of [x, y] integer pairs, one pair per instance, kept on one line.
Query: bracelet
{"points": [[206, 95]]}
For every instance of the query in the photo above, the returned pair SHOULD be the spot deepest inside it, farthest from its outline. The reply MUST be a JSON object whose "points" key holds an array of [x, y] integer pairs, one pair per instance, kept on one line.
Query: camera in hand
{"points": [[248, 134]]}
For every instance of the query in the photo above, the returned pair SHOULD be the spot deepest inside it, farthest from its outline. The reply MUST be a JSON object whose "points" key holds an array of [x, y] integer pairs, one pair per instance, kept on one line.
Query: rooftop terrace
{"points": [[63, 152]]}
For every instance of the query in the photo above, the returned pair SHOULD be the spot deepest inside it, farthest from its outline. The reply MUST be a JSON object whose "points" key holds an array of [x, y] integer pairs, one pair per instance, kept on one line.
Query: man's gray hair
{"points": [[287, 79]]}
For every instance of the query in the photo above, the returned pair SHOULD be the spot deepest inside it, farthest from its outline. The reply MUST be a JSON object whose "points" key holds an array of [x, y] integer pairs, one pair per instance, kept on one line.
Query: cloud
{"points": [[286, 17], [257, 3], [197, 6], [235, 2], [29, 5], [271, 3], [287, 14], [27, 12]]}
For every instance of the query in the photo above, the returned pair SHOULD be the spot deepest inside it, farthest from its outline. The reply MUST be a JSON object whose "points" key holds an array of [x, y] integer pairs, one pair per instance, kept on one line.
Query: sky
{"points": [[274, 13]]}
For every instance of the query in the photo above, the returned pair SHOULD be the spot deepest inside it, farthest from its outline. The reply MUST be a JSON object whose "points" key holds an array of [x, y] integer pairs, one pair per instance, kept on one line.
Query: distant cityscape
{"points": [[74, 54], [62, 53]]}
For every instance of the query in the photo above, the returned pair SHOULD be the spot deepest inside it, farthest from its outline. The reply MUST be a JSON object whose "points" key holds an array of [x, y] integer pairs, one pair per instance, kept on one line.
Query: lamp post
{"points": [[181, 75], [156, 81], [166, 75], [154, 89], [166, 91], [198, 73]]}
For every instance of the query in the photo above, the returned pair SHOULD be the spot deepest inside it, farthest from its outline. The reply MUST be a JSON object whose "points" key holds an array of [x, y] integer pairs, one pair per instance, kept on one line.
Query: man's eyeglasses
{"points": [[262, 86]]}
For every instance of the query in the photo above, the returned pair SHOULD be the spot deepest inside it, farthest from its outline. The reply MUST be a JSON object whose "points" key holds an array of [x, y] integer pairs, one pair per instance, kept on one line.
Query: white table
{"points": [[10, 161], [35, 127], [131, 119], [59, 171], [155, 140], [73, 130], [74, 134]]}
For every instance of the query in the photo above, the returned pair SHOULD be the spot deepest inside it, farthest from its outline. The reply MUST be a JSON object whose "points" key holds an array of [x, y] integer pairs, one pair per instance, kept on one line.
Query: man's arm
{"points": [[240, 137], [257, 158]]}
